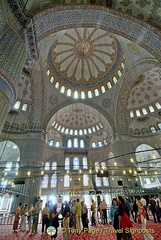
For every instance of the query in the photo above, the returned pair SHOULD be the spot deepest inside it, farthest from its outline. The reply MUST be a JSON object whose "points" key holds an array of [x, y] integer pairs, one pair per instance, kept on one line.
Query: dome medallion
{"points": [[85, 62]]}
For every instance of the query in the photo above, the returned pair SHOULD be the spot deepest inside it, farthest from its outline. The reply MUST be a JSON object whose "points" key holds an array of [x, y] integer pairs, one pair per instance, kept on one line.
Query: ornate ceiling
{"points": [[85, 59]]}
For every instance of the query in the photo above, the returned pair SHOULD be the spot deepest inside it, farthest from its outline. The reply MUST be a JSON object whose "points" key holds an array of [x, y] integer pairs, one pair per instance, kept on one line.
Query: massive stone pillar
{"points": [[4, 109], [125, 165], [30, 171]]}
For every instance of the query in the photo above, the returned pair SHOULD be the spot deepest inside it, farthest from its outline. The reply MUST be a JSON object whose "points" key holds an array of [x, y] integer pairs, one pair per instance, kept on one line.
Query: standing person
{"points": [[78, 213], [36, 211], [134, 211], [153, 210], [45, 218], [29, 217], [142, 215], [84, 215], [23, 218], [112, 211], [55, 220], [17, 216], [123, 208], [93, 209], [103, 208], [144, 203], [66, 213]]}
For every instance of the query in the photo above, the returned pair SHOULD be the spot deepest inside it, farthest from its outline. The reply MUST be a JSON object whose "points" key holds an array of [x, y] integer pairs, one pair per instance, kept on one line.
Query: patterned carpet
{"points": [[100, 232]]}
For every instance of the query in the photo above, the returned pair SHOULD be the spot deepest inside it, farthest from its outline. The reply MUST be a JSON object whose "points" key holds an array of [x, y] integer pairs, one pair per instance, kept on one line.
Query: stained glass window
{"points": [[75, 142], [54, 166], [53, 181], [85, 164], [82, 143], [85, 180], [67, 163], [66, 181], [76, 163], [69, 143], [45, 181], [47, 166], [98, 181], [105, 181]]}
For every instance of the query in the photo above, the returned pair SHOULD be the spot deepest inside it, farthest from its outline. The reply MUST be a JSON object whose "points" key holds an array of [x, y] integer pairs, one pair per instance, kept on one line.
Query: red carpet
{"points": [[6, 233]]}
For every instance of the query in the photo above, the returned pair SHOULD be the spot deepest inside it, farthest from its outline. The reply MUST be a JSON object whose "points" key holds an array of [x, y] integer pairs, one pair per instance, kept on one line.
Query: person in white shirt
{"points": [[143, 202], [103, 208]]}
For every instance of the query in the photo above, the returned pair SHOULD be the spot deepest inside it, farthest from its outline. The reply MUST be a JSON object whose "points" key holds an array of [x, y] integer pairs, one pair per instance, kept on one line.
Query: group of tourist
{"points": [[74, 215]]}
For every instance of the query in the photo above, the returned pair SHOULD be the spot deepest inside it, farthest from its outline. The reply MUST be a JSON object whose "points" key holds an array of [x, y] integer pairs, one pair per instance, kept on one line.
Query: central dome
{"points": [[85, 59]]}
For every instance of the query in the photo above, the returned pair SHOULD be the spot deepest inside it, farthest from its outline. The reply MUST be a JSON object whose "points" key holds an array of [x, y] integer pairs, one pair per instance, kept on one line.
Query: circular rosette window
{"points": [[85, 62]]}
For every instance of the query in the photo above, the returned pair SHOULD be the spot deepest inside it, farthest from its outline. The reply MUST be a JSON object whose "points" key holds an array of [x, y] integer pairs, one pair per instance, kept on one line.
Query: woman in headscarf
{"points": [[17, 216]]}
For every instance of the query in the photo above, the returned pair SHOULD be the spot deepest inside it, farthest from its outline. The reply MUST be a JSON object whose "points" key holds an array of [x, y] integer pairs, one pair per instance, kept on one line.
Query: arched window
{"points": [[17, 105], [158, 106], [24, 107], [66, 181], [57, 144], [69, 143], [67, 163], [93, 144], [85, 131], [99, 143], [53, 181], [76, 95], [153, 129], [62, 90], [71, 132], [89, 94], [105, 181], [8, 166], [103, 90], [82, 143], [89, 130], [138, 114], [144, 111], [51, 143], [131, 114], [63, 129], [66, 130], [96, 92], [136, 131], [69, 92], [85, 180], [83, 96], [85, 164], [80, 132], [54, 166], [76, 163], [45, 181], [75, 143], [151, 109], [76, 132], [98, 181], [159, 125], [47, 166]]}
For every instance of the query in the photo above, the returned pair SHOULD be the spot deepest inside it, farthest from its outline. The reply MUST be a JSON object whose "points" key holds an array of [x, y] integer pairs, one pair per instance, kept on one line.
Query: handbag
{"points": [[125, 221], [139, 219]]}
